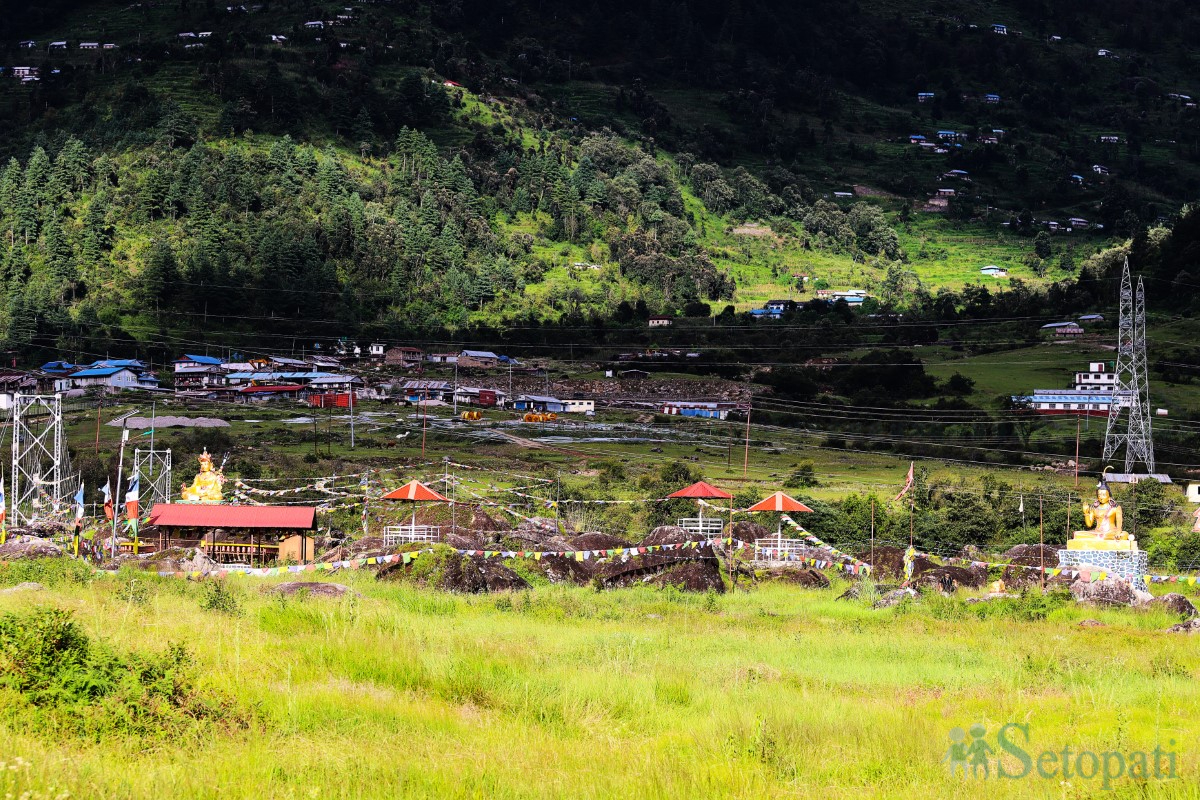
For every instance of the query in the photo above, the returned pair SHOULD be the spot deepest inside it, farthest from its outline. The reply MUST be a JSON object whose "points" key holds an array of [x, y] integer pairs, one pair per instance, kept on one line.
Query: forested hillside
{"points": [[402, 168]]}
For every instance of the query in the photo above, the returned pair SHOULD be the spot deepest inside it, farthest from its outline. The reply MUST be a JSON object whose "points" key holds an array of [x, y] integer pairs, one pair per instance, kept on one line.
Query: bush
{"points": [[803, 477], [54, 679], [46, 571], [219, 597]]}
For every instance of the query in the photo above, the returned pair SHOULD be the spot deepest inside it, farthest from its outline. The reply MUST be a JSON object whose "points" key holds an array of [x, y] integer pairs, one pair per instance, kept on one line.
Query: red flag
{"points": [[908, 483], [108, 501]]}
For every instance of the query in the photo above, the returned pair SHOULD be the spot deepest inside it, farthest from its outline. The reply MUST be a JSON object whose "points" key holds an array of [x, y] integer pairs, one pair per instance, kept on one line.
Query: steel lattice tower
{"points": [[154, 467], [40, 465], [1132, 388]]}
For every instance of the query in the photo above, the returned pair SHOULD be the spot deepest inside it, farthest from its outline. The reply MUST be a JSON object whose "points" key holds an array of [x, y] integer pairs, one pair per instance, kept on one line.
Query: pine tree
{"points": [[330, 177], [97, 234], [156, 282], [72, 166], [37, 177]]}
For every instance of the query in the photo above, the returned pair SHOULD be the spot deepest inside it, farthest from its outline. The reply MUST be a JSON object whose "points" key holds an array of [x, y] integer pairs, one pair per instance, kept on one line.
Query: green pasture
{"points": [[773, 691]]}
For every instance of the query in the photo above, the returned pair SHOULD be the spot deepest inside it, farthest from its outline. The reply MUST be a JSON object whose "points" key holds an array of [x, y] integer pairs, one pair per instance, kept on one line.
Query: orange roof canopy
{"points": [[416, 491], [702, 491], [779, 502]]}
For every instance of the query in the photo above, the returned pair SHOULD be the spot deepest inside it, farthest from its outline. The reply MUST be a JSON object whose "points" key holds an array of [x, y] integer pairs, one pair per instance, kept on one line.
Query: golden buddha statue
{"points": [[1107, 522], [206, 488]]}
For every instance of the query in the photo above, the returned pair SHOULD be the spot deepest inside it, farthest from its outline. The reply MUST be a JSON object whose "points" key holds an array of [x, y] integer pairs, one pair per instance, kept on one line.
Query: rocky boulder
{"points": [[312, 589], [748, 531], [175, 559], [595, 540], [954, 577], [1191, 626], [800, 576], [562, 569], [669, 534], [1108, 592], [26, 546], [692, 576], [1176, 604], [27, 586], [889, 561], [895, 598], [447, 570]]}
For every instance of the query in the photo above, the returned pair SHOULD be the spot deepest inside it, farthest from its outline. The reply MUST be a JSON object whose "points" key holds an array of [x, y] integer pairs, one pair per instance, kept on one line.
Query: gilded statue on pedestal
{"points": [[206, 488], [1106, 520]]}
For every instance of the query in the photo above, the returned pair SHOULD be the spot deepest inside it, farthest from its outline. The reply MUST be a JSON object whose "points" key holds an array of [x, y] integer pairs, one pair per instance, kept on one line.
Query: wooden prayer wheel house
{"points": [[238, 534]]}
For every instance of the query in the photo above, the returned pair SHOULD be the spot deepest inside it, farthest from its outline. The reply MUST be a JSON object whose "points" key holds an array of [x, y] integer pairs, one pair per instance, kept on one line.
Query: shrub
{"points": [[219, 597], [54, 679], [47, 571]]}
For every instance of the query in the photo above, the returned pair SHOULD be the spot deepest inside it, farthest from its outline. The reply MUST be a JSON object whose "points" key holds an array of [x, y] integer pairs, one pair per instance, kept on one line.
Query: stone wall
{"points": [[1133, 566]]}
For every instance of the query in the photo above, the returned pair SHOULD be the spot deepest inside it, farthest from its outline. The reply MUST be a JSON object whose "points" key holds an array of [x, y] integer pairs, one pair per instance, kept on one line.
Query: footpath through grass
{"points": [[566, 692]]}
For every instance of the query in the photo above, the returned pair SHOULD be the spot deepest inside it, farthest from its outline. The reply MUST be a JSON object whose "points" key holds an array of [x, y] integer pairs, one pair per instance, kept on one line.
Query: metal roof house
{"points": [[57, 367], [537, 402], [193, 363], [111, 379], [1063, 329], [1067, 401]]}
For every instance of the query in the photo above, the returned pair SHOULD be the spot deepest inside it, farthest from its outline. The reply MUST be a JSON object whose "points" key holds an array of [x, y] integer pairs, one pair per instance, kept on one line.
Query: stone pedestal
{"points": [[1130, 565]]}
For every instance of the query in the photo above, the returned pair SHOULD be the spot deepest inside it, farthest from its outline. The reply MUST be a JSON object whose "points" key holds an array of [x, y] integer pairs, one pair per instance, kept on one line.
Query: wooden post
{"points": [[872, 532], [1076, 457], [911, 504], [1041, 542], [746, 460], [99, 405]]}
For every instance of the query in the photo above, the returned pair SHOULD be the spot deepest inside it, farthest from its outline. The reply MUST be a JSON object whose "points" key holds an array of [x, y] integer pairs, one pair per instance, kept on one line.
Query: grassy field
{"points": [[558, 692]]}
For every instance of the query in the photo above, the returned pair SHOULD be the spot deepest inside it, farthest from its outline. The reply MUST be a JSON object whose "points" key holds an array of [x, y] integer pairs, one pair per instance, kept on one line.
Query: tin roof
{"points": [[181, 515], [209, 360]]}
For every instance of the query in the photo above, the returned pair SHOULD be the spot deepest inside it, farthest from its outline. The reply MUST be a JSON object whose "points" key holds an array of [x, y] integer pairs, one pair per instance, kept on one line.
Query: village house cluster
{"points": [[1091, 394], [348, 374]]}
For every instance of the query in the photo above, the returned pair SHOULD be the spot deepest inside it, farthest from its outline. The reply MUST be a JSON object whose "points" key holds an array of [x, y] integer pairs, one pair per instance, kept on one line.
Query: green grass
{"points": [[637, 693]]}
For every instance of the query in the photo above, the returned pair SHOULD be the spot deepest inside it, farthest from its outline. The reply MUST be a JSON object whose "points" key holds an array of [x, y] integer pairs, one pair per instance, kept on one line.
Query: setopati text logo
{"points": [[1013, 756]]}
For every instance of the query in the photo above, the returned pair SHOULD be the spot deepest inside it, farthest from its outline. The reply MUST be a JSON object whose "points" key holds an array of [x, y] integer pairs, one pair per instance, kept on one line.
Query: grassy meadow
{"points": [[566, 692]]}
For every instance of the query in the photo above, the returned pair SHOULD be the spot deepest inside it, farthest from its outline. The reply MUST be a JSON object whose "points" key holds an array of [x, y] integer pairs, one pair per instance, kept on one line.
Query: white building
{"points": [[579, 406], [660, 322], [1096, 379], [110, 379]]}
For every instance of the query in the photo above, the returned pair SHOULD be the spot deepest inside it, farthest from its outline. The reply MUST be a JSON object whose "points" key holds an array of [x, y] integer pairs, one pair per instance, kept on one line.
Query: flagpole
{"points": [[1041, 542], [120, 470], [872, 532], [746, 459]]}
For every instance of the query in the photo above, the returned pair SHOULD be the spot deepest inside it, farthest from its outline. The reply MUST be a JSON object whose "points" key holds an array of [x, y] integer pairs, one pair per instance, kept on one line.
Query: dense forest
{"points": [[347, 184]]}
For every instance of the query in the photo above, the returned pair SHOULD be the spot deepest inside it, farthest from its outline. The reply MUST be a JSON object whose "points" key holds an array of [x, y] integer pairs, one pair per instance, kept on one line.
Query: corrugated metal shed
{"points": [[181, 515]]}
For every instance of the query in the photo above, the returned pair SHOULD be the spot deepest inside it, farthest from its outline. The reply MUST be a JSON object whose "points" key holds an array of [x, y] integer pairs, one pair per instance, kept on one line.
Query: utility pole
{"points": [[746, 458], [99, 406], [1076, 454], [456, 388], [872, 531], [1042, 541], [352, 416]]}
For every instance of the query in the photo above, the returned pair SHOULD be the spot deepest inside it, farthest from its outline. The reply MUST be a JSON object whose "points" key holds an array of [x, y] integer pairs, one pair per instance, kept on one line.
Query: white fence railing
{"points": [[403, 534], [776, 548], [704, 526]]}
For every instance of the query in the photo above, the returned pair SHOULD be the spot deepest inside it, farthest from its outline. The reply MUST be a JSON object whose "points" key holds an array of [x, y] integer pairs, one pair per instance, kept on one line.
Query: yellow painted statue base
{"points": [[1085, 540]]}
